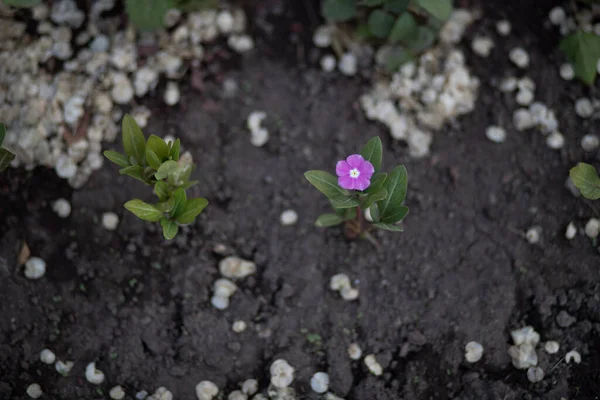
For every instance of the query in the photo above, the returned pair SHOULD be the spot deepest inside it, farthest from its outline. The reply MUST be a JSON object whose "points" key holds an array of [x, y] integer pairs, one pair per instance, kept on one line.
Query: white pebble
{"points": [[567, 72], [35, 268], [349, 293], [122, 91], [509, 84], [225, 22], [339, 282], [571, 231], [573, 355], [555, 140], [523, 356], [373, 366], [592, 228], [240, 43], [47, 356], [206, 390], [535, 374], [328, 63], [473, 352], [220, 302], [526, 335], [319, 382], [239, 326], [590, 142], [34, 391], [117, 393], [557, 16], [551, 347], [524, 97], [519, 57], [65, 167], [348, 64], [62, 208], [224, 287], [482, 45], [584, 107], [495, 133], [354, 351], [503, 27], [522, 119], [110, 220], [64, 368], [282, 374], [141, 395], [93, 375], [250, 386], [259, 135], [234, 268], [322, 36], [288, 217], [533, 234], [172, 94]]}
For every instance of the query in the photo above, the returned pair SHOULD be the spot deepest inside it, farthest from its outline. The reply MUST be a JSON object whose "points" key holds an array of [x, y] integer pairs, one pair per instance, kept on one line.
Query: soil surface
{"points": [[140, 306]]}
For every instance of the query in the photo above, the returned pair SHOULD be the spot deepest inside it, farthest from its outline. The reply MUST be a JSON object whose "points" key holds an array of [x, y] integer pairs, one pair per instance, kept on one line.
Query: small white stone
{"points": [[110, 220], [240, 43], [496, 134], [473, 352], [535, 374], [225, 22], [523, 356], [348, 64], [162, 393], [47, 356], [573, 355], [509, 84], [533, 235], [519, 57], [328, 63], [93, 375], [557, 16], [258, 135], [117, 393], [524, 97], [525, 335], [567, 72], [571, 231], [339, 282], [322, 36], [172, 94], [100, 44], [482, 45], [141, 395], [65, 167], [145, 80], [584, 107], [237, 395], [239, 326], [555, 140], [206, 390], [551, 347], [62, 207], [35, 268], [319, 382], [224, 287], [288, 217], [235, 268], [592, 228], [282, 374], [349, 294], [250, 386], [64, 368], [503, 27], [590, 142], [373, 366], [122, 91], [172, 17], [354, 351], [522, 119], [34, 391], [220, 302]]}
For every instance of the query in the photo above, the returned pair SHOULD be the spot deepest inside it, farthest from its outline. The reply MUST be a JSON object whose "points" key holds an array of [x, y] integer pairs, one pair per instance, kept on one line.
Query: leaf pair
{"points": [[6, 156]]}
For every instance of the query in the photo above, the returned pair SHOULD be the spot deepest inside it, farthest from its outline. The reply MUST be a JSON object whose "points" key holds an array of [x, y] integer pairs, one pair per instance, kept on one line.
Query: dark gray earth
{"points": [[140, 306]]}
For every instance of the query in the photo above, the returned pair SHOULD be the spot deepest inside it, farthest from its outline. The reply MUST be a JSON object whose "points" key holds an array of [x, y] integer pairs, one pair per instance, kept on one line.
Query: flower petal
{"points": [[356, 161], [362, 182], [367, 169], [342, 168], [346, 182]]}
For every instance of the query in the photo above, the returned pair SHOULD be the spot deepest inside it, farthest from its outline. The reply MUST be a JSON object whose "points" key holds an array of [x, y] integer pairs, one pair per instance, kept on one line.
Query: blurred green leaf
{"points": [[134, 142], [161, 189], [582, 49], [396, 6], [404, 27], [374, 211], [174, 151], [585, 177], [165, 169], [440, 9], [339, 10], [166, 206], [143, 210], [179, 202], [380, 23], [22, 3], [148, 15], [170, 228], [326, 184], [135, 171], [389, 227], [421, 40], [117, 158], [158, 146], [152, 159], [377, 182], [373, 152], [344, 202], [373, 197], [189, 184], [326, 220], [192, 209], [391, 208], [6, 158]]}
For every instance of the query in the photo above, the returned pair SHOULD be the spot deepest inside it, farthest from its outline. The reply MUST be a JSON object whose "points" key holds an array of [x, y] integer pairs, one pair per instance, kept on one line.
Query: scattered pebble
{"points": [[354, 351], [348, 64], [93, 375], [240, 43], [557, 16], [34, 391], [584, 107], [328, 63], [239, 326], [567, 72], [250, 386], [47, 356], [590, 142], [62, 207], [533, 234], [35, 268], [551, 347], [564, 319], [509, 84], [282, 374], [288, 217], [206, 390], [495, 133], [319, 382], [473, 352], [117, 393], [258, 135], [571, 231], [503, 27], [64, 368], [592, 228], [535, 374], [482, 45], [573, 355], [323, 36], [555, 140], [519, 57], [373, 366], [349, 293], [110, 220]]}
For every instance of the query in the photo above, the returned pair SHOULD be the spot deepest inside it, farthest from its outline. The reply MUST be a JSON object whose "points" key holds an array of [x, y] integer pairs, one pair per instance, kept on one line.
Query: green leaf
{"points": [[377, 182], [2, 133], [189, 184], [152, 159], [165, 169], [404, 27], [134, 142], [372, 198], [143, 210], [179, 202], [586, 179], [192, 209], [397, 57], [135, 171], [582, 49], [170, 228], [339, 10], [344, 202], [148, 15], [372, 152], [174, 151], [421, 40], [326, 220], [117, 158], [389, 227], [166, 206], [22, 3], [391, 208], [158, 146], [440, 9], [374, 210], [326, 184], [5, 159], [346, 213], [161, 189], [371, 3], [380, 23], [396, 6]]}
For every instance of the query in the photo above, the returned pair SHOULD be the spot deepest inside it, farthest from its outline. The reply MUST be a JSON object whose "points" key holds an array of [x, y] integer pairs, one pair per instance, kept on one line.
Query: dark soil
{"points": [[140, 306]]}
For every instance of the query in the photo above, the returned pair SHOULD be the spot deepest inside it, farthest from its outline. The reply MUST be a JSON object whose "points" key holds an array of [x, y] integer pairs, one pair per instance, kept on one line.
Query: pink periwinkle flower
{"points": [[354, 173]]}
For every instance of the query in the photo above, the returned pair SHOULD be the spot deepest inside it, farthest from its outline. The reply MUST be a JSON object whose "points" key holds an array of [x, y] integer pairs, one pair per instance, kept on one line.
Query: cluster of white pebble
{"points": [[341, 283], [259, 135], [231, 268]]}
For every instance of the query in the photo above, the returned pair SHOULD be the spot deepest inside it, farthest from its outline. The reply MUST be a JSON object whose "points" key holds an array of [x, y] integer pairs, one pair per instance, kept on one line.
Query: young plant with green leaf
{"points": [[5, 156], [586, 179], [410, 26], [360, 186], [158, 164]]}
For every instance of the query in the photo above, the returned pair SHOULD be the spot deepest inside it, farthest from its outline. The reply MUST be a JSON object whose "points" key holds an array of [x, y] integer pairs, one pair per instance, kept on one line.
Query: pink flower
{"points": [[354, 173]]}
